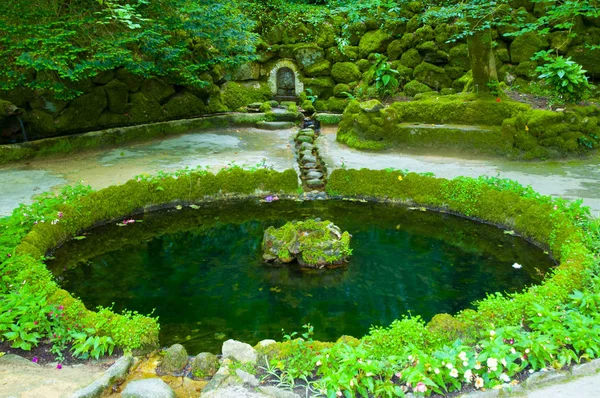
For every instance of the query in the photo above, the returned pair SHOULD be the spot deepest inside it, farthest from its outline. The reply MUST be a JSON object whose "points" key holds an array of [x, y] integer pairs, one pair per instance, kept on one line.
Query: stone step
{"points": [[275, 125]]}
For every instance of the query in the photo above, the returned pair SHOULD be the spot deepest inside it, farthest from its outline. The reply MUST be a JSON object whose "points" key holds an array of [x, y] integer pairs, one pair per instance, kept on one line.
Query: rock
{"points": [[233, 392], [308, 166], [431, 75], [307, 132], [415, 87], [459, 56], [321, 68], [247, 378], [307, 152], [300, 138], [182, 105], [175, 360], [315, 183], [249, 71], [314, 175], [375, 41], [275, 125], [309, 159], [157, 90], [540, 379], [41, 103], [148, 388], [133, 82], [143, 109], [524, 46], [371, 106], [275, 392], [312, 243], [13, 360], [345, 72], [104, 76], [117, 372], [239, 351], [308, 54], [205, 364], [411, 58], [83, 112], [306, 146], [117, 95]]}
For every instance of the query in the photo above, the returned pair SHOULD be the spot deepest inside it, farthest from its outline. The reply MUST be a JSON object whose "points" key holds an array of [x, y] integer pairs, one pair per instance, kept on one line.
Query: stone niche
{"points": [[284, 79]]}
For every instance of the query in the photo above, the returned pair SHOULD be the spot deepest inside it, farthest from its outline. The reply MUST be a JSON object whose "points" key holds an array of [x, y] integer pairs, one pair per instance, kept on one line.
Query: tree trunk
{"points": [[483, 63]]}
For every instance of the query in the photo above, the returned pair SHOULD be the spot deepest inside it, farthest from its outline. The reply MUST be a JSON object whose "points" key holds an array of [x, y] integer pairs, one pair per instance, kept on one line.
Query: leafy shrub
{"points": [[565, 78]]}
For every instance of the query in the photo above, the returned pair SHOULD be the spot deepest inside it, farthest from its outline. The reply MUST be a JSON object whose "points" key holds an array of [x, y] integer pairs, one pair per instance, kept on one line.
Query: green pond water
{"points": [[201, 272]]}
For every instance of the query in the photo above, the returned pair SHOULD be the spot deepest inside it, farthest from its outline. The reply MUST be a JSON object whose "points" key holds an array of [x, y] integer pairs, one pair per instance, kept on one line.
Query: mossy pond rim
{"points": [[200, 269]]}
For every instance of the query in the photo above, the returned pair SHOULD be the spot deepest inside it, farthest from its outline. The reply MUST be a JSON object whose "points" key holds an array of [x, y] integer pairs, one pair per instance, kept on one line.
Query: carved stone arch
{"points": [[282, 65]]}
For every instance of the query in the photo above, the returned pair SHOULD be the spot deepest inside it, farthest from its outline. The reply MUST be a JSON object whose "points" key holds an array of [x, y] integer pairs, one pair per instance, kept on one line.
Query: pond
{"points": [[200, 270]]}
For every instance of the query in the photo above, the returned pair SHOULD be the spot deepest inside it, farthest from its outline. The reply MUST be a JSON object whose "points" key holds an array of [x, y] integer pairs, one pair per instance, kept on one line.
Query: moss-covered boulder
{"points": [[459, 56], [433, 76], [175, 360], [204, 364], [320, 86], [524, 46], [415, 87], [132, 81], [183, 105], [48, 105], [345, 72], [375, 41], [395, 50], [326, 35], [117, 95], [249, 71], [526, 69], [157, 90], [82, 113], [308, 54], [411, 58], [590, 60], [340, 89], [237, 95], [313, 243], [321, 68], [143, 109], [104, 76], [40, 124], [423, 34]]}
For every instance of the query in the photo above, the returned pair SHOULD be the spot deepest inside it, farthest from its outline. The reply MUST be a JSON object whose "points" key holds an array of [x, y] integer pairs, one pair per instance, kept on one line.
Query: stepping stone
{"points": [[310, 159], [286, 117], [306, 132], [314, 174], [304, 138], [309, 165], [306, 146], [148, 388], [305, 153], [315, 183], [275, 125]]}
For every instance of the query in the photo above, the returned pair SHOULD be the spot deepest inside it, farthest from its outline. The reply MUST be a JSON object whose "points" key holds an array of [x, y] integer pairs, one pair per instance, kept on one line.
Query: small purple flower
{"points": [[59, 366], [60, 214], [269, 199], [35, 359]]}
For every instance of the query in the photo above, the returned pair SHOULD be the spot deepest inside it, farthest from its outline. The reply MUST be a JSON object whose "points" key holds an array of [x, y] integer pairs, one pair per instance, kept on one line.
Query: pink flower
{"points": [[60, 214], [399, 375], [61, 307], [35, 359], [59, 366], [35, 322], [421, 387], [8, 255]]}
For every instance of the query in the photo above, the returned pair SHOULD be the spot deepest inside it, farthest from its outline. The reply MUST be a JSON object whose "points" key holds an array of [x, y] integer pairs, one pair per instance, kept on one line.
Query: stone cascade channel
{"points": [[313, 171]]}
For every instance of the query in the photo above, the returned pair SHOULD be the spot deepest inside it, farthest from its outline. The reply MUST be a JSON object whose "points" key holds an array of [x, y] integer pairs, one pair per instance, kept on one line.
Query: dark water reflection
{"points": [[202, 272]]}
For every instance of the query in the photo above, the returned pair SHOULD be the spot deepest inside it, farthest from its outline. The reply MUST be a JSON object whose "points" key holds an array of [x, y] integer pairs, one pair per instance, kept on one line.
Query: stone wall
{"points": [[421, 55]]}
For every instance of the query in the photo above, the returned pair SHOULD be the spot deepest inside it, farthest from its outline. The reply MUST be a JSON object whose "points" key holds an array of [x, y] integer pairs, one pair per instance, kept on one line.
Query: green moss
{"points": [[336, 104], [374, 41], [321, 68], [415, 87], [431, 75], [523, 47], [345, 72], [236, 96], [308, 54], [459, 56], [423, 34], [328, 119], [83, 112], [340, 89], [411, 58], [157, 90]]}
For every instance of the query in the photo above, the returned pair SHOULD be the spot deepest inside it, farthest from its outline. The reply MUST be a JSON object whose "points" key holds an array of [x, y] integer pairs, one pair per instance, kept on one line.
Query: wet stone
{"points": [[306, 133], [306, 153], [310, 159], [309, 166], [175, 360], [306, 146], [304, 138], [314, 174], [315, 183]]}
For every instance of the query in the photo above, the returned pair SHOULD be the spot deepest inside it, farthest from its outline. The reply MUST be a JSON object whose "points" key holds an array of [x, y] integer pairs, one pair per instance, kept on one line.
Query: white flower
{"points": [[462, 356], [478, 382], [492, 363], [477, 365], [468, 375], [436, 371], [527, 351], [504, 377], [517, 266], [466, 363], [339, 393], [351, 383], [492, 333], [318, 363], [503, 362], [449, 365], [512, 350], [454, 373]]}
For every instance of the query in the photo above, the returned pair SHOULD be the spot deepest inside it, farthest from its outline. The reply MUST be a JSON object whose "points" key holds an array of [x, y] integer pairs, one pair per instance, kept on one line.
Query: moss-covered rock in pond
{"points": [[157, 90], [524, 46], [345, 72], [415, 87], [433, 76], [374, 41], [321, 68], [175, 360], [411, 58], [82, 113], [312, 243], [204, 364], [133, 82], [117, 95], [308, 54]]}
